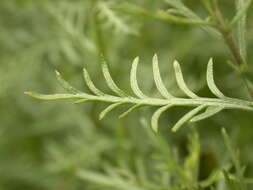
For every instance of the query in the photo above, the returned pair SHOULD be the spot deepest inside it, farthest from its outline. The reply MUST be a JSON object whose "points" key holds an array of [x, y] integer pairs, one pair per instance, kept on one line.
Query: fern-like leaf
{"points": [[212, 105]]}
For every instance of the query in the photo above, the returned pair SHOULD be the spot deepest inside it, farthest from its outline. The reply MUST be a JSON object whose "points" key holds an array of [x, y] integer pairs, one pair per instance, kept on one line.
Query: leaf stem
{"points": [[227, 103]]}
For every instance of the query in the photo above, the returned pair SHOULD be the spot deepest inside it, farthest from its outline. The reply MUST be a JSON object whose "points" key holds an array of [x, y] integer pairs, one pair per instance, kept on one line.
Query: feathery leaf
{"points": [[214, 105]]}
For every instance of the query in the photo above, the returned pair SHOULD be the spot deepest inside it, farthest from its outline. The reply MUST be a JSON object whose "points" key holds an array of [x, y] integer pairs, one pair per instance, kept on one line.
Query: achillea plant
{"points": [[169, 170], [211, 106], [179, 14]]}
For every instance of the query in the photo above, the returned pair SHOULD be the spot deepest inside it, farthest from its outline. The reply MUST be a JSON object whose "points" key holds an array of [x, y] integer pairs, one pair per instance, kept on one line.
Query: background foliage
{"points": [[58, 145]]}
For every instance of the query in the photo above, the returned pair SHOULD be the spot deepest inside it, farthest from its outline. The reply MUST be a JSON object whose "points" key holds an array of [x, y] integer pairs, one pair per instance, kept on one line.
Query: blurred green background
{"points": [[44, 144]]}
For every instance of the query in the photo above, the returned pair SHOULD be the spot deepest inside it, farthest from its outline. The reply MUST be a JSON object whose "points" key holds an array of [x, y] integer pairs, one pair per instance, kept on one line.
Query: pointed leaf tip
{"points": [[28, 93], [155, 57], [137, 59], [57, 73]]}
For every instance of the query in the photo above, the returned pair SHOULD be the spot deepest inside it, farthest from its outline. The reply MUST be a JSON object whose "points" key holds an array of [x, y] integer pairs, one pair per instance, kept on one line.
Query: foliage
{"points": [[64, 146], [212, 105]]}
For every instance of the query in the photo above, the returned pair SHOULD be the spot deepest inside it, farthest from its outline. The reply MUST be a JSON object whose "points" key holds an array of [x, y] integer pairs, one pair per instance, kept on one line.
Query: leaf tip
{"points": [[223, 130], [174, 130], [136, 60], [155, 58], [85, 72], [121, 116], [28, 93], [210, 62], [100, 117], [57, 73], [176, 66]]}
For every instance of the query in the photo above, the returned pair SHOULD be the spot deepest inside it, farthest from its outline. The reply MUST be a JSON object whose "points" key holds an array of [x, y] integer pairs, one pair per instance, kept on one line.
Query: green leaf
{"points": [[191, 162], [182, 8], [106, 12], [90, 84], [180, 81], [166, 16], [52, 96], [111, 84], [158, 80], [241, 12], [211, 179], [187, 117], [108, 109], [156, 116], [133, 79], [242, 7], [81, 101], [210, 111], [65, 84], [188, 13], [214, 104], [234, 154], [109, 181], [210, 80], [124, 114]]}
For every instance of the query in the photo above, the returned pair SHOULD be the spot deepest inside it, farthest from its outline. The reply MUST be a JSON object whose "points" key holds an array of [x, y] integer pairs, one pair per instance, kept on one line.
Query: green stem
{"points": [[227, 103], [232, 47]]}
